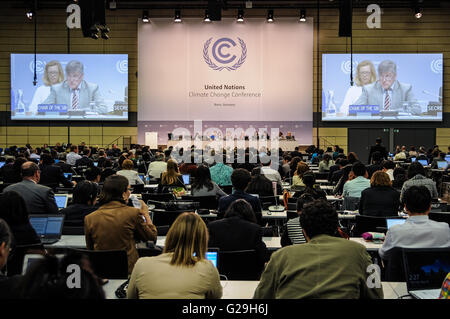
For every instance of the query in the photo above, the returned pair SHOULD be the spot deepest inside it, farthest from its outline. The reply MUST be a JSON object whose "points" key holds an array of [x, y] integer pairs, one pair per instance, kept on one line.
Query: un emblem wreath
{"points": [[214, 66]]}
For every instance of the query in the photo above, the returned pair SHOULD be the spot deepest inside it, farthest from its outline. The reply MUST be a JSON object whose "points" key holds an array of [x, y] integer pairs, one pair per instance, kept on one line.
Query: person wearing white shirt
{"points": [[365, 74], [156, 168], [267, 171], [73, 156], [53, 74], [129, 173], [418, 231], [388, 168]]}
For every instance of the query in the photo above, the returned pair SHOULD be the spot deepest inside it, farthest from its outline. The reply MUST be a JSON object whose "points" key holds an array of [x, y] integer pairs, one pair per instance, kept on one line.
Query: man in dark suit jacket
{"points": [[39, 199], [52, 175], [240, 179], [378, 148]]}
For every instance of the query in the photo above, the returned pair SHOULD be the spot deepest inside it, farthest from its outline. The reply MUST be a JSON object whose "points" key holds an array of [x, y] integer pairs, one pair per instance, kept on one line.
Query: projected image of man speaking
{"points": [[76, 93], [388, 93]]}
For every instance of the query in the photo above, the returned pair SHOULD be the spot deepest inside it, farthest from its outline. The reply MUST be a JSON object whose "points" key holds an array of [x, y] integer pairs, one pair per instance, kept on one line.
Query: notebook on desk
{"points": [[425, 271], [48, 227], [61, 200]]}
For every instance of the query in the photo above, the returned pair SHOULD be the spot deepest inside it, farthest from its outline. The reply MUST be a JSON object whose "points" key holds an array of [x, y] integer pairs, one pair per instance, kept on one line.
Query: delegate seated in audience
{"points": [[39, 199], [416, 177], [399, 174], [115, 225], [73, 155], [9, 286], [352, 158], [221, 173], [388, 168], [156, 168], [240, 180], [302, 168], [325, 163], [189, 168], [326, 267], [11, 171], [311, 187], [259, 184], [14, 212], [107, 170], [376, 164], [292, 232], [129, 173], [439, 158], [52, 175], [380, 199], [83, 203], [336, 170], [293, 165], [238, 230], [85, 160], [182, 271], [357, 181], [285, 167], [203, 185], [418, 231], [66, 168], [93, 174], [48, 279], [269, 172], [171, 178]]}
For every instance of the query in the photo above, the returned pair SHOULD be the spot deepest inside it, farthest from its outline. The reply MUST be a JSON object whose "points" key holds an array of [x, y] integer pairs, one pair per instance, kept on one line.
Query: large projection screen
{"points": [[387, 87], [69, 87], [226, 73]]}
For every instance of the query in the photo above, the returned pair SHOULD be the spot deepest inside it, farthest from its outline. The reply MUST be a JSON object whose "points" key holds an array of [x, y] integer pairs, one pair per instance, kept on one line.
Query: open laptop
{"points": [[96, 164], [186, 179], [423, 162], [142, 177], [68, 176], [2, 164], [61, 200], [442, 164], [413, 159], [394, 221], [213, 256], [48, 227], [425, 271], [30, 259], [447, 158]]}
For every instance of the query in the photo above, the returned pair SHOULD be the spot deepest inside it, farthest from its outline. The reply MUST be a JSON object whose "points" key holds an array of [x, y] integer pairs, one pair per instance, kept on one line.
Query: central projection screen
{"points": [[237, 74]]}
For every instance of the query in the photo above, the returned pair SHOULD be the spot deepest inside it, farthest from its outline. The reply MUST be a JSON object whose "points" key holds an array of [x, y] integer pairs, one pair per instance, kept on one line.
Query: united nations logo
{"points": [[40, 66], [220, 53]]}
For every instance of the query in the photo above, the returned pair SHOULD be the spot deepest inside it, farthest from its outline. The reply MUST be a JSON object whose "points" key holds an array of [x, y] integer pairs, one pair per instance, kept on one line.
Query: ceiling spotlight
{"points": [[177, 16], [206, 19], [418, 13], [270, 16], [145, 18], [302, 15], [240, 16]]}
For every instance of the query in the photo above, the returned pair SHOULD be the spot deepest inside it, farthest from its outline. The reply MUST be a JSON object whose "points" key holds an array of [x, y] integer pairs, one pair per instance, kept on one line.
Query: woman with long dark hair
{"points": [[203, 185]]}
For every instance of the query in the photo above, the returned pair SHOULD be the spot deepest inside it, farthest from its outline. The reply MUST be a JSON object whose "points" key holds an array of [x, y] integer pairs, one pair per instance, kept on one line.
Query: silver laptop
{"points": [[426, 269], [48, 227], [61, 200]]}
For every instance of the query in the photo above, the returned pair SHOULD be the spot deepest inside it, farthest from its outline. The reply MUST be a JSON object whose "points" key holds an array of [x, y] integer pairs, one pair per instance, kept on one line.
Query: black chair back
{"points": [[138, 189], [16, 257], [73, 230], [163, 218], [240, 265], [162, 197], [393, 267], [205, 202], [440, 217], [107, 264], [367, 224], [351, 203]]}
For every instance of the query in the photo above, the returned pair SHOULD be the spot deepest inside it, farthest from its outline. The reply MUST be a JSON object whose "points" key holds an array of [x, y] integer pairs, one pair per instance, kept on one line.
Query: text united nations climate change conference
{"points": [[224, 94]]}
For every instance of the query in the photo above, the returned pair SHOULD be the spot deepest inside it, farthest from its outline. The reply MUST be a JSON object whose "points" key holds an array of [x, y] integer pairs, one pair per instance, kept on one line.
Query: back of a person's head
{"points": [[127, 164], [28, 169], [302, 168], [343, 162], [240, 179], [13, 208], [388, 164], [85, 192], [242, 209], [92, 173], [51, 278], [187, 239], [113, 189], [380, 179], [46, 159], [415, 169], [308, 179], [73, 148], [303, 200], [352, 157], [256, 171], [399, 171], [202, 177], [417, 199], [319, 218], [359, 169], [5, 235], [378, 140], [18, 163]]}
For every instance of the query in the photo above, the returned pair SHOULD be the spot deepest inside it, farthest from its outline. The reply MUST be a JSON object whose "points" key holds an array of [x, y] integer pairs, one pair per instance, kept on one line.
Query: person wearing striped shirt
{"points": [[292, 231]]}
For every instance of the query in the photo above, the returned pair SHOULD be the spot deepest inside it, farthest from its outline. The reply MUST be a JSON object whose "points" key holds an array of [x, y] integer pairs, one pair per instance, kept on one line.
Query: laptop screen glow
{"points": [[61, 201], [423, 162], [68, 176], [46, 225], [212, 257], [1, 164], [186, 179], [394, 221], [442, 164]]}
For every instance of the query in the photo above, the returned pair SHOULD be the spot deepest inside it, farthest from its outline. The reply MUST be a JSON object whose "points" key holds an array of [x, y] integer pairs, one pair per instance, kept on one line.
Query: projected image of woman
{"points": [[365, 74], [53, 74]]}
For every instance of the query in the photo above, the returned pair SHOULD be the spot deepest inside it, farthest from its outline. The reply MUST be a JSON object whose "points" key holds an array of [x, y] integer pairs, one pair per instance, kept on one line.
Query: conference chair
{"points": [[322, 175], [440, 217], [161, 197], [240, 265], [15, 260], [73, 230], [107, 264], [164, 217], [227, 189], [350, 203], [138, 188], [367, 224], [204, 202], [393, 269]]}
